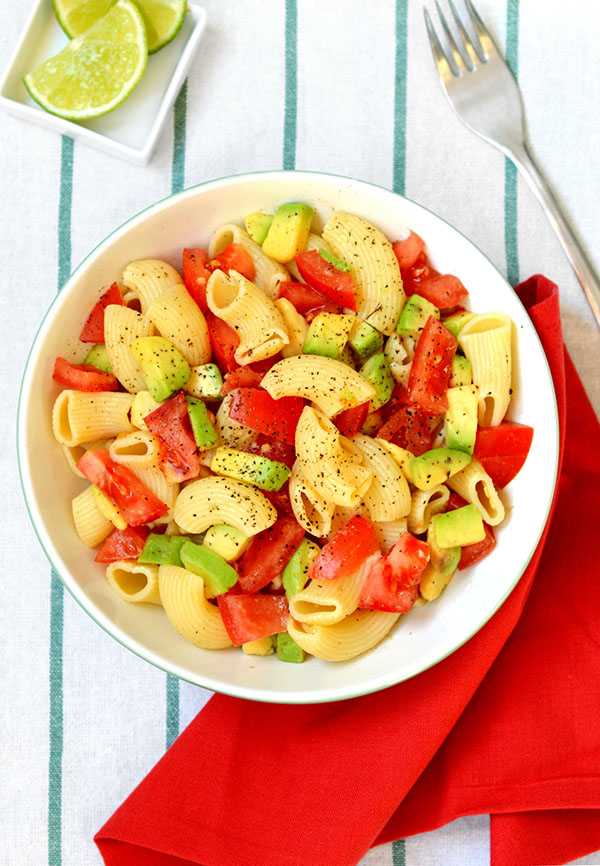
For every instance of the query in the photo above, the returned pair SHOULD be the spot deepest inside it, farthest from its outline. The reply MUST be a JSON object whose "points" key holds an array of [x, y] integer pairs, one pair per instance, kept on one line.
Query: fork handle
{"points": [[586, 274]]}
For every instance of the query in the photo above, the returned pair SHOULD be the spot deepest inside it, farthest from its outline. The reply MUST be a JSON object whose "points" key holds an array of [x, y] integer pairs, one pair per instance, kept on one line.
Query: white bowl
{"points": [[424, 636]]}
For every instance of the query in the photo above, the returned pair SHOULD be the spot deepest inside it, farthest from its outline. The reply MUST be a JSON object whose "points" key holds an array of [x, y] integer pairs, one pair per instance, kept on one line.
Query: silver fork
{"points": [[484, 93]]}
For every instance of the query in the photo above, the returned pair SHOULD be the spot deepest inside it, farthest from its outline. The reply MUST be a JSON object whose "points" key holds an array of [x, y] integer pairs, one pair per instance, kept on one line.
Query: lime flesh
{"points": [[97, 70]]}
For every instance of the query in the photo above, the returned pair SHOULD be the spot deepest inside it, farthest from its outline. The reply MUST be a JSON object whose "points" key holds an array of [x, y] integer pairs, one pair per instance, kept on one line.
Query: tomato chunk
{"points": [[306, 300], [135, 501], [224, 342], [83, 377], [502, 450], [472, 553], [346, 551], [171, 424], [393, 582], [350, 421], [325, 278], [259, 411], [250, 617], [432, 367], [123, 544], [93, 330], [234, 258], [273, 449], [442, 290], [195, 275], [269, 553], [410, 428], [408, 251], [249, 376]]}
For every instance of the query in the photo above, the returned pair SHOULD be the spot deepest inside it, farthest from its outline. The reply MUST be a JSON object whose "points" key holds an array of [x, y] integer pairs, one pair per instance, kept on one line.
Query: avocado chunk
{"points": [[205, 382], [437, 466], [288, 650], [289, 231], [327, 334], [333, 260], [164, 368], [461, 418], [251, 468], [217, 574], [258, 225], [264, 646], [377, 371], [295, 574], [459, 527], [414, 315], [365, 339], [442, 564], [204, 431], [462, 371], [228, 541], [457, 322], [98, 357], [163, 549]]}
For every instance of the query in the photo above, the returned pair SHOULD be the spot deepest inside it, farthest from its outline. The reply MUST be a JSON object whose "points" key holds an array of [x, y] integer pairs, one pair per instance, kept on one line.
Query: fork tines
{"points": [[466, 53]]}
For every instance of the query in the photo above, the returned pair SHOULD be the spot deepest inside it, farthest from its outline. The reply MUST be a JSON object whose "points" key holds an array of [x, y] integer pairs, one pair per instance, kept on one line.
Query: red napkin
{"points": [[508, 725]]}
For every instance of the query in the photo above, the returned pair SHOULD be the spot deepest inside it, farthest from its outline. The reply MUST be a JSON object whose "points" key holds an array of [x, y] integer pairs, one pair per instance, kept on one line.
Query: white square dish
{"points": [[132, 130]]}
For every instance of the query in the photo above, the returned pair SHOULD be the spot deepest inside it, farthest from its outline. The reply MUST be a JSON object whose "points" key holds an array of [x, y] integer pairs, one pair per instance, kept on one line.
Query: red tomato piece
{"points": [[280, 499], [250, 617], [432, 367], [325, 278], [243, 377], [408, 251], [346, 551], [224, 342], [393, 582], [269, 553], [350, 421], [195, 275], [442, 290], [122, 544], [273, 449], [410, 428], [502, 450], [93, 330], [472, 553], [135, 501], [306, 300], [83, 377], [259, 411], [171, 424], [234, 258]]}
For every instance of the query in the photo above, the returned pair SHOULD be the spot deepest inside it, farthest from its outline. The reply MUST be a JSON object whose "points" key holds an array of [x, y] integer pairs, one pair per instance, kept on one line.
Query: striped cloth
{"points": [[340, 86]]}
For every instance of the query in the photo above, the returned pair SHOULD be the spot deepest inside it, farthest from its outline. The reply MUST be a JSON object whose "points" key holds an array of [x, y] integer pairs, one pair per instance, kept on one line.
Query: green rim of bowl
{"points": [[149, 655]]}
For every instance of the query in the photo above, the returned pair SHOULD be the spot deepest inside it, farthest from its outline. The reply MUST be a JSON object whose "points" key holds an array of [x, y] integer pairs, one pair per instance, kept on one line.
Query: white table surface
{"points": [[64, 772]]}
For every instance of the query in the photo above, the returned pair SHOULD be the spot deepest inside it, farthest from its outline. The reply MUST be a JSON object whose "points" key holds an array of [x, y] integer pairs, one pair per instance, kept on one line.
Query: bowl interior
{"points": [[418, 640]]}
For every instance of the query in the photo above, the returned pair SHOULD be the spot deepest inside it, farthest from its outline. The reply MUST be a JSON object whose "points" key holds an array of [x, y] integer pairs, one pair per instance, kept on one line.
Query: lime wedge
{"points": [[97, 70], [163, 18]]}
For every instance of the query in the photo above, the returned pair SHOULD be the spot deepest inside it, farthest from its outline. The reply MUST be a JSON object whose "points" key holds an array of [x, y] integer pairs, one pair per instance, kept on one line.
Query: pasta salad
{"points": [[295, 440]]}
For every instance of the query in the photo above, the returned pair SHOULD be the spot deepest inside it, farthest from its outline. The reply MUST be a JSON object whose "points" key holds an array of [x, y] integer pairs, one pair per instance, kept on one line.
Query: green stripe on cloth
{"points": [[400, 76], [291, 85], [177, 184], [399, 186], [57, 593], [510, 171]]}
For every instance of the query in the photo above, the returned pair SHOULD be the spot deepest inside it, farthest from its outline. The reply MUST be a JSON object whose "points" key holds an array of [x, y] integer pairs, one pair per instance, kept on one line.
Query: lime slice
{"points": [[163, 18], [97, 70]]}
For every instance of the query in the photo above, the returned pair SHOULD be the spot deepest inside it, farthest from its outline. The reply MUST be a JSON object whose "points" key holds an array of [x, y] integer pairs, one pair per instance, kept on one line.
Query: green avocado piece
{"points": [[456, 322], [258, 225], [228, 541], [294, 575], [461, 418], [365, 339], [289, 231], [217, 574], [98, 357], [163, 549], [327, 334], [376, 371], [414, 315], [442, 564], [207, 381], [459, 527], [204, 432], [437, 466], [288, 650], [462, 371], [164, 368], [333, 260], [262, 646], [252, 468]]}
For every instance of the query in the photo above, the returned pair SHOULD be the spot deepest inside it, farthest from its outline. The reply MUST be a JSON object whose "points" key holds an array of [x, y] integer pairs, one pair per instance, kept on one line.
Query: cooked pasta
{"points": [[312, 511], [269, 273], [378, 284], [147, 279], [231, 432], [425, 504], [475, 485], [133, 581], [388, 497], [389, 532], [91, 525], [80, 416], [143, 404], [398, 358], [121, 327], [359, 632], [486, 341], [402, 456], [325, 602], [178, 318], [296, 327], [140, 452], [214, 500]]}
